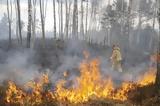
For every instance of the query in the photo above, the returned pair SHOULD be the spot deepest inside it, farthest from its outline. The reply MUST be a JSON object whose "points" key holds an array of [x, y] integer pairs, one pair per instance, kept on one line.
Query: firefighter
{"points": [[116, 58]]}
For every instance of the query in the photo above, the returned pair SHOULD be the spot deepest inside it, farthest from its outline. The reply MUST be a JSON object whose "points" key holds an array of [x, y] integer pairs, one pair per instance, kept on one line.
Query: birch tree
{"points": [[16, 13], [59, 15], [129, 22], [61, 3], [9, 12], [67, 18], [86, 25], [34, 10], [82, 18], [19, 21], [43, 10], [29, 23], [54, 15], [75, 20]]}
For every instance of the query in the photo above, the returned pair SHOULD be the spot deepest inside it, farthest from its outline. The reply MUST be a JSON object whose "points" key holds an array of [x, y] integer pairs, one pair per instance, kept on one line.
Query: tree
{"points": [[9, 12], [129, 22], [59, 9], [75, 20], [43, 9], [114, 20], [145, 13], [17, 32], [67, 18], [94, 5], [29, 23], [86, 25], [82, 18], [154, 20], [61, 3], [54, 15], [34, 3], [19, 20]]}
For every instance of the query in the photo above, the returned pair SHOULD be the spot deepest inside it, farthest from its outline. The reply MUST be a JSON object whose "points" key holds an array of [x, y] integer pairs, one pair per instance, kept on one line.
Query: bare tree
{"points": [[34, 4], [43, 9], [75, 20], [17, 28], [129, 21], [153, 24], [54, 15], [67, 18], [122, 17], [29, 23], [19, 20], [9, 12], [82, 18], [61, 19], [59, 9], [86, 18]]}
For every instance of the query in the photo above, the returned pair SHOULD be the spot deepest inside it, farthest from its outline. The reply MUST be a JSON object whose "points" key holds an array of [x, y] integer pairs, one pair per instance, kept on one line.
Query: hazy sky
{"points": [[24, 12]]}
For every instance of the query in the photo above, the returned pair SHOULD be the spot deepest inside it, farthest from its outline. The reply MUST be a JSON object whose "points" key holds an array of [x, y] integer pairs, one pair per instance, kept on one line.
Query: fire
{"points": [[14, 94], [89, 85], [148, 78]]}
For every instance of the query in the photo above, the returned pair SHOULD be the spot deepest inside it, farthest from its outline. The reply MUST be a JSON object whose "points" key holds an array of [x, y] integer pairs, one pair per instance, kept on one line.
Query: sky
{"points": [[24, 12]]}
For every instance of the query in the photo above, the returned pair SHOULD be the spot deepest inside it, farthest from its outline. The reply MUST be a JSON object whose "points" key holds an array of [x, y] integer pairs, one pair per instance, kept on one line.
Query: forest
{"points": [[79, 52]]}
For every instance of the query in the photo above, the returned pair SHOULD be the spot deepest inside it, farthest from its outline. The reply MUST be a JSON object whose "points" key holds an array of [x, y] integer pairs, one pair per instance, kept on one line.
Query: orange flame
{"points": [[89, 85]]}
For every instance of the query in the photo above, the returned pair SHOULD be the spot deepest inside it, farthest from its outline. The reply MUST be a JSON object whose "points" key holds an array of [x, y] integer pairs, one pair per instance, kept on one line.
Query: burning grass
{"points": [[89, 87]]}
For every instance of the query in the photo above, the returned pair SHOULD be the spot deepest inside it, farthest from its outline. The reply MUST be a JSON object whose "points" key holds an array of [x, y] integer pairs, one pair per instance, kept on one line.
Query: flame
{"points": [[148, 78], [14, 94], [89, 85]]}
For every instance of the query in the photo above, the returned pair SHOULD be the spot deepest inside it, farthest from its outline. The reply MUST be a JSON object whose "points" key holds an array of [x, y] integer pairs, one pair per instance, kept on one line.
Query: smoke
{"points": [[18, 67]]}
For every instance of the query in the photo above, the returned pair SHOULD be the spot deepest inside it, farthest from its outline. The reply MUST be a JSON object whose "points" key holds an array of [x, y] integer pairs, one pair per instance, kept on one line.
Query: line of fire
{"points": [[79, 52]]}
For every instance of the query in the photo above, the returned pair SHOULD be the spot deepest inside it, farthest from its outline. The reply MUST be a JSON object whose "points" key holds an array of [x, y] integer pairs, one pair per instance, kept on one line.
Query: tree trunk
{"points": [[54, 12], [16, 13], [122, 18], [86, 18], [75, 19], [59, 18], [9, 22], [67, 19], [129, 23], [34, 22], [62, 19], [153, 24], [19, 21], [42, 13], [82, 18], [29, 23], [91, 15]]}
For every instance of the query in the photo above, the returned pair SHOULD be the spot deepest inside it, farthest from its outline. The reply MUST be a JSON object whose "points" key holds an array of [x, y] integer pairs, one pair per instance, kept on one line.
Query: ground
{"points": [[57, 52]]}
